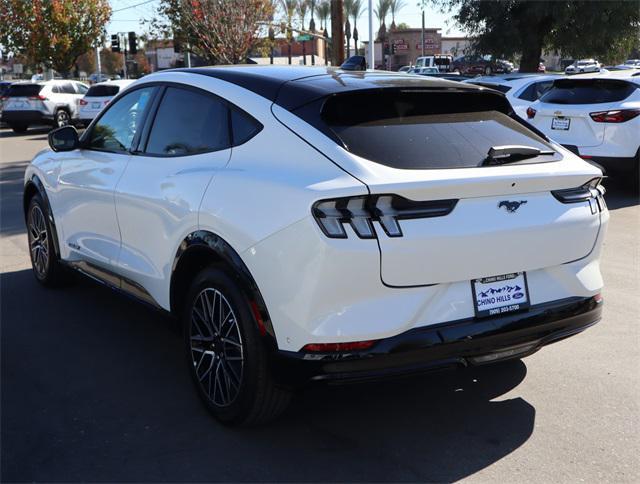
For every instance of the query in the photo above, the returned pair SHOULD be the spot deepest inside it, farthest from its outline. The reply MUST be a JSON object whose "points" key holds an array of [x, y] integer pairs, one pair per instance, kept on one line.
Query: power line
{"points": [[132, 6]]}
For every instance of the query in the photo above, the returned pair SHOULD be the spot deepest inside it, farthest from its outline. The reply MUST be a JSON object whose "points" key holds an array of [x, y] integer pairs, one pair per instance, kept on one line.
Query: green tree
{"points": [[394, 7], [52, 32], [606, 29]]}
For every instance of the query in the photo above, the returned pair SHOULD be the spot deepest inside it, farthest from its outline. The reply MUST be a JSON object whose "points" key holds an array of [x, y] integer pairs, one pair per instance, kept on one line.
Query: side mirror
{"points": [[64, 139]]}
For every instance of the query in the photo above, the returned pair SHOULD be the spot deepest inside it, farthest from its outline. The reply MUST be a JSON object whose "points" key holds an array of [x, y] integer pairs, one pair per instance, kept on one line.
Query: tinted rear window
{"points": [[103, 91], [425, 130], [24, 90], [587, 91]]}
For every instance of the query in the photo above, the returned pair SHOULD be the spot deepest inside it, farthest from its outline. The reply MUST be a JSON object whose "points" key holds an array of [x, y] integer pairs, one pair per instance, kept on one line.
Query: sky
{"points": [[129, 19]]}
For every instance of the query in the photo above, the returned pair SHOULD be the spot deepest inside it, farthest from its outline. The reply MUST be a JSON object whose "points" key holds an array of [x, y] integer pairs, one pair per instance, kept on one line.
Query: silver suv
{"points": [[48, 102]]}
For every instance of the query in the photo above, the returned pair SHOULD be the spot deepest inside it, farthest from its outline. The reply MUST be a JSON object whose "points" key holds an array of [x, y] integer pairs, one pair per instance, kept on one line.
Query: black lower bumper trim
{"points": [[460, 343], [24, 117]]}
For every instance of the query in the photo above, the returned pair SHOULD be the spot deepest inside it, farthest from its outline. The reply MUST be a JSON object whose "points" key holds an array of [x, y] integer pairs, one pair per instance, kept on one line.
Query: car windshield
{"points": [[24, 90], [103, 90], [588, 91]]}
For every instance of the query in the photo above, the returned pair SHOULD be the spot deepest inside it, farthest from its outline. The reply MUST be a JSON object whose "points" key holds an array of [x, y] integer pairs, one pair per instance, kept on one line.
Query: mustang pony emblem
{"points": [[511, 206]]}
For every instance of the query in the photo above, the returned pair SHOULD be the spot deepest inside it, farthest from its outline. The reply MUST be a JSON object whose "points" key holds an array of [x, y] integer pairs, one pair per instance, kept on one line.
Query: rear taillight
{"points": [[615, 116], [334, 347], [39, 97], [592, 192], [83, 102], [360, 213], [531, 113]]}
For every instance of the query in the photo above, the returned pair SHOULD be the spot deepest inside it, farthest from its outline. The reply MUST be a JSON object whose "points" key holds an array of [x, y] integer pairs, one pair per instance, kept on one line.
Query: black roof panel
{"points": [[293, 86]]}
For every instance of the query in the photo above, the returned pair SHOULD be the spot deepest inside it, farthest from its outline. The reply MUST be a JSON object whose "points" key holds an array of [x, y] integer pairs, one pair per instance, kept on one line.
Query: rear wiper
{"points": [[499, 155]]}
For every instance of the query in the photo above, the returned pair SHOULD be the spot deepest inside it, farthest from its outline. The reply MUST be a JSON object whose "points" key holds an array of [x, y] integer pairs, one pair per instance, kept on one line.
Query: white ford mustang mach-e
{"points": [[317, 224]]}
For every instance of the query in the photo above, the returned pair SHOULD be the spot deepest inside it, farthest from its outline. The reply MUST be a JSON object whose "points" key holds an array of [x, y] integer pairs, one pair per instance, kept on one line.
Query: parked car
{"points": [[597, 117], [477, 64], [381, 254], [98, 77], [426, 71], [442, 62], [97, 97], [48, 102], [542, 68], [4, 87], [521, 90], [405, 69], [634, 63], [585, 65]]}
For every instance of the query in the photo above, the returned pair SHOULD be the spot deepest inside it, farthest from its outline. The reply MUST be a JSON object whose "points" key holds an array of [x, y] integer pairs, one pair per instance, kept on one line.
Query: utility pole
{"points": [[372, 46], [124, 58], [423, 32], [98, 63], [337, 32]]}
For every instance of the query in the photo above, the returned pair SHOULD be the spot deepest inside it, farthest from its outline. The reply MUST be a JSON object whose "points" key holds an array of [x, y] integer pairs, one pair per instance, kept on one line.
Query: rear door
{"points": [[441, 215]]}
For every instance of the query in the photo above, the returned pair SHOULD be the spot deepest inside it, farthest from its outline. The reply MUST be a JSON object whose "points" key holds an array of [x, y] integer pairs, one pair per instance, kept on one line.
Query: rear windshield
{"points": [[417, 130], [587, 91], [103, 91], [24, 90]]}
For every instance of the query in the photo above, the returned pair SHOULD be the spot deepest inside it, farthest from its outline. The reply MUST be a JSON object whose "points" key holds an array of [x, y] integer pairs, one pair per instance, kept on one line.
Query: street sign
{"points": [[303, 38]]}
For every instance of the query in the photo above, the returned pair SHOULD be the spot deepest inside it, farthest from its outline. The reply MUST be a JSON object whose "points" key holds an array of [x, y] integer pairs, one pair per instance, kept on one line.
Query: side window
{"points": [[542, 87], [117, 127], [243, 127], [529, 94], [67, 88], [55, 89], [81, 88], [187, 123]]}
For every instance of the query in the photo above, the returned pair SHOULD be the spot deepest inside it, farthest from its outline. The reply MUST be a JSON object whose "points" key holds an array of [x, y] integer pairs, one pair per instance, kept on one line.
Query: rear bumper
{"points": [[25, 117], [460, 343]]}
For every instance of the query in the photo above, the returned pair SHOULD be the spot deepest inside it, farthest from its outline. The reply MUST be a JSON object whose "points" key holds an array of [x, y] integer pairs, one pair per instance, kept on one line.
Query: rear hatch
{"points": [[441, 211], [563, 113], [24, 97], [97, 97]]}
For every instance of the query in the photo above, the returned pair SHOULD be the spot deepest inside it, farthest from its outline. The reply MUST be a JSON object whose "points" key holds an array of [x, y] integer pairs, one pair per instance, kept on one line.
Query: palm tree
{"points": [[289, 7], [395, 6], [303, 8], [381, 11], [323, 10], [354, 9]]}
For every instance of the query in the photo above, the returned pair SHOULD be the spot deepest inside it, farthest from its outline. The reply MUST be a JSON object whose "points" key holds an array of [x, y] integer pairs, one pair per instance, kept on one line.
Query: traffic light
{"points": [[115, 43], [133, 43]]}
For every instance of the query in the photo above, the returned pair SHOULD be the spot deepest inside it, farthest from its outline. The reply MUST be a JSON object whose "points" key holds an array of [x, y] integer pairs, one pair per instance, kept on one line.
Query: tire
{"points": [[45, 263], [61, 118], [19, 128], [487, 71], [226, 357]]}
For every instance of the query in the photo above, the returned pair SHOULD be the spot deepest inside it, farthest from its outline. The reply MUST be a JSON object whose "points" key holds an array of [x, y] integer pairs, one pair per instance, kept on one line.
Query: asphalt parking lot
{"points": [[94, 388]]}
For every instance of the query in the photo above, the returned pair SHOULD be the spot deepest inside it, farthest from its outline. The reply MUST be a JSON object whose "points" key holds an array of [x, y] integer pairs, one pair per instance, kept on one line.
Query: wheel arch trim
{"points": [[223, 251], [34, 185]]}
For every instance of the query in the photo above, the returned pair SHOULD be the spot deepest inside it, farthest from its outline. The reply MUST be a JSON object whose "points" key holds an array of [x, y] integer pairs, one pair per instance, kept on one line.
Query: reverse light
{"points": [[83, 102], [615, 116], [337, 347], [360, 213], [531, 113]]}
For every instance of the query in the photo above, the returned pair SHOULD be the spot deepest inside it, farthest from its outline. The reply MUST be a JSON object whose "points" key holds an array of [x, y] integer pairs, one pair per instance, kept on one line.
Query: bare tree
{"points": [[224, 31]]}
